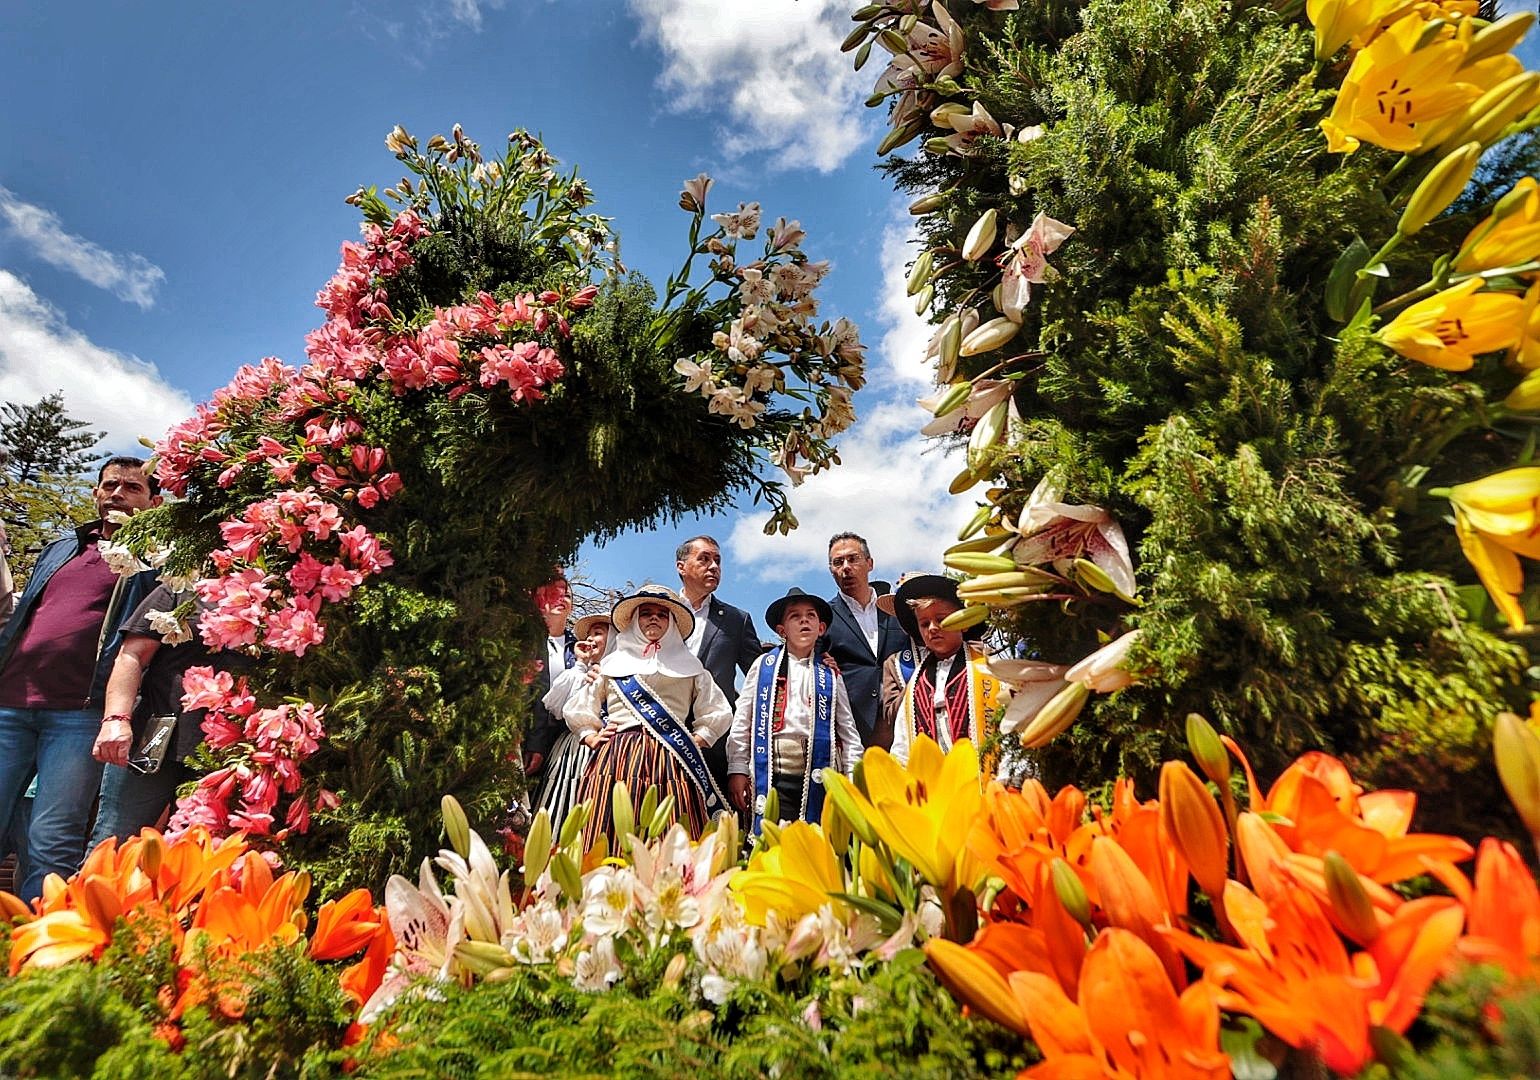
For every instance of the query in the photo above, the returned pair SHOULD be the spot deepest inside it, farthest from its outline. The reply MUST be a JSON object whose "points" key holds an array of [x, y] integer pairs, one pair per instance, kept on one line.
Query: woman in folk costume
{"points": [[569, 757], [793, 719], [649, 715], [943, 688]]}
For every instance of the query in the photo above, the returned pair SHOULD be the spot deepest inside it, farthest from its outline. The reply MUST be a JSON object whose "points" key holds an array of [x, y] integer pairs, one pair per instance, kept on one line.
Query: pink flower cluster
{"points": [[261, 749], [293, 440]]}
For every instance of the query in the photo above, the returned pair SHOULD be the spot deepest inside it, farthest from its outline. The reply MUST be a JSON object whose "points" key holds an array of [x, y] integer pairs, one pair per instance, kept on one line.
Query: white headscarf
{"points": [[633, 654]]}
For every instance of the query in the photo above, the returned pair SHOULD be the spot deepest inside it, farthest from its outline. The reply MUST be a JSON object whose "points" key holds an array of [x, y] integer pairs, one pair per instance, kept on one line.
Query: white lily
{"points": [[1103, 670], [1058, 533]]}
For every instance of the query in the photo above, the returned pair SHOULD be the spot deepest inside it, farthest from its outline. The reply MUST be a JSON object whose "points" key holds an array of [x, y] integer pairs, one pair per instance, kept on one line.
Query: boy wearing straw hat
{"points": [[793, 719]]}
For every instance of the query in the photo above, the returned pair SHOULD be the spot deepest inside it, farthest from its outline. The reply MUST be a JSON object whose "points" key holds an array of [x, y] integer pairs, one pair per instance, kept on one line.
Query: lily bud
{"points": [[965, 617], [151, 851], [1439, 188], [1056, 716], [979, 519], [854, 38], [1525, 397], [988, 430], [569, 831], [1350, 902], [982, 236], [1517, 750], [941, 115], [990, 336], [456, 826], [674, 973], [899, 136], [1500, 106], [1204, 745], [956, 394], [1196, 826], [937, 146], [866, 11], [894, 42], [927, 204], [951, 341], [621, 810], [963, 481], [919, 273], [1098, 579], [537, 848], [1070, 890], [922, 301], [842, 794], [973, 562], [1499, 37]]}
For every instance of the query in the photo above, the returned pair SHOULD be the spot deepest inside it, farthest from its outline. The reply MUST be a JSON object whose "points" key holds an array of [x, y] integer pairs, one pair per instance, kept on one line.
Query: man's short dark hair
{"points": [[127, 462], [682, 552], [837, 537]]}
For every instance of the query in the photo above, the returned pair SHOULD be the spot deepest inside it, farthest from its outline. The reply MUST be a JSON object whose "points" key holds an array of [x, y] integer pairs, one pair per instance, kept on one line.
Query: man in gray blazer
{"points": [[724, 637], [860, 636]]}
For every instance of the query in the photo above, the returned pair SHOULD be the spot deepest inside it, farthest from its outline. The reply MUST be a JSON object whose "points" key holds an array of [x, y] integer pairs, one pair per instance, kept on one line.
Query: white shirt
{"points": [[698, 634], [799, 717], [555, 658], [866, 617]]}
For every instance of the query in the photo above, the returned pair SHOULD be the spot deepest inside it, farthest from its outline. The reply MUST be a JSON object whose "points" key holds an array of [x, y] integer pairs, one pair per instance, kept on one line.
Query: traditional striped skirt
{"points": [[563, 774], [642, 761]]}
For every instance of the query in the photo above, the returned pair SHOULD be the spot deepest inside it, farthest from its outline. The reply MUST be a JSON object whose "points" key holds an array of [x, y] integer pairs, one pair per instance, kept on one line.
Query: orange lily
{"points": [[1196, 826], [1502, 910], [235, 920], [359, 981], [1295, 976], [1129, 1021], [344, 926]]}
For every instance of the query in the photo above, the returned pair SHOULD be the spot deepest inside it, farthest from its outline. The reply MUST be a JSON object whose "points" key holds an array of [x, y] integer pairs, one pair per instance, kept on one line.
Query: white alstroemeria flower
{"points": [[745, 412], [537, 933], [666, 904], [172, 631], [740, 346], [119, 559], [608, 900], [693, 197], [697, 376], [786, 234], [760, 377], [785, 459], [741, 225], [755, 287], [597, 968], [1033, 684], [117, 517], [156, 553], [724, 399], [1058, 533], [1103, 670], [839, 414]]}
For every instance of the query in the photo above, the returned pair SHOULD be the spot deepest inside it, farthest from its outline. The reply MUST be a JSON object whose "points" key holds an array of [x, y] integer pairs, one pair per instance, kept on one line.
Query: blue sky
{"points": [[173, 191], [172, 181]]}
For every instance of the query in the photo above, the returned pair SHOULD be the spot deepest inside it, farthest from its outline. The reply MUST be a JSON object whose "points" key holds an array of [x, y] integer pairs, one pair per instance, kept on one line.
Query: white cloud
{"points": [[469, 11], [891, 483], [41, 353], [128, 277], [774, 66]]}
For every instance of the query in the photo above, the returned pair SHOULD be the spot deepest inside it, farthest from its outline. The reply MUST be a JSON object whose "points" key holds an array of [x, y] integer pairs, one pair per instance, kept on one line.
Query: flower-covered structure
{"points": [[1254, 283], [489, 389]]}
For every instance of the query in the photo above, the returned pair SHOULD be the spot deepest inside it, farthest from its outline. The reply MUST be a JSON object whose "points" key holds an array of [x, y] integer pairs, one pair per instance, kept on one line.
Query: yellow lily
{"points": [[1396, 87], [1526, 353], [1337, 21], [1497, 519], [794, 878], [1450, 329], [923, 812], [1510, 234]]}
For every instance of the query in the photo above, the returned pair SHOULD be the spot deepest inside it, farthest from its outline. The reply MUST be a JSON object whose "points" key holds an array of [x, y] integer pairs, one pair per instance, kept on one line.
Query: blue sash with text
{"points": [[675, 736], [820, 754]]}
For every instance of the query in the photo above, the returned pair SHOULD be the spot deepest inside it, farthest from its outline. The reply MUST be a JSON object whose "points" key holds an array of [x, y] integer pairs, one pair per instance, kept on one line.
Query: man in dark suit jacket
{"points": [[724, 637], [860, 636]]}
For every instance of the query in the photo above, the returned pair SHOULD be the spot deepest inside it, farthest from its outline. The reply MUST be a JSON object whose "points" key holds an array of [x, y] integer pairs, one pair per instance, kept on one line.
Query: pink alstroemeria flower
{"points": [[1057, 532], [1025, 263]]}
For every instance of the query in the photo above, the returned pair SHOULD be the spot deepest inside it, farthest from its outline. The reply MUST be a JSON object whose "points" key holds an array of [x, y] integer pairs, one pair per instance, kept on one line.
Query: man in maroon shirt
{"points": [[55, 655]]}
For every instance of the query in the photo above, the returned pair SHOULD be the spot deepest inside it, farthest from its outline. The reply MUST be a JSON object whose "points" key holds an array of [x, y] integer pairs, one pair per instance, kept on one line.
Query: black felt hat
{"points": [[912, 587], [777, 608]]}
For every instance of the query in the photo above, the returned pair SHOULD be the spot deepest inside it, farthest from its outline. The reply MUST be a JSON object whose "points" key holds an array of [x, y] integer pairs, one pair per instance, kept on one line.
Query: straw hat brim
{"points": [[585, 625], [625, 608]]}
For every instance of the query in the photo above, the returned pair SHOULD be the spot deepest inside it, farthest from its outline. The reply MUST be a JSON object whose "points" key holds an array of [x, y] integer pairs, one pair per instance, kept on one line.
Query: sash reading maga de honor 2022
{"points": [[672, 732]]}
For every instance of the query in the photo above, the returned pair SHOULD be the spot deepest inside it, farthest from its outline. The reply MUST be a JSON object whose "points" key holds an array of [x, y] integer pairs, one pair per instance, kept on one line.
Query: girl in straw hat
{"points": [[650, 714], [569, 756]]}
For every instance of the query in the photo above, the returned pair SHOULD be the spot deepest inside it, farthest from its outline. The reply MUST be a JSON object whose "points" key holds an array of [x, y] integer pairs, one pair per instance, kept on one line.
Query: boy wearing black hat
{"points": [[793, 718]]}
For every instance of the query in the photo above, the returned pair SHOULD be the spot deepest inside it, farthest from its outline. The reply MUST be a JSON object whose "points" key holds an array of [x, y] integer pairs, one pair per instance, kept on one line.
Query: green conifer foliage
{"points": [[1182, 366]]}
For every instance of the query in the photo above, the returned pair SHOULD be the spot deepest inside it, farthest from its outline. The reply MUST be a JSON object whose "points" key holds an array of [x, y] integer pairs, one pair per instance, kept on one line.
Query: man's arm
{"points": [[748, 645], [116, 734]]}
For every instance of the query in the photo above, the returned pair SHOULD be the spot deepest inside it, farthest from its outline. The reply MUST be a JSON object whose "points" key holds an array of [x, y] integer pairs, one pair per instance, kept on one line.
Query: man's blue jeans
{"points": [[57, 744], [132, 801]]}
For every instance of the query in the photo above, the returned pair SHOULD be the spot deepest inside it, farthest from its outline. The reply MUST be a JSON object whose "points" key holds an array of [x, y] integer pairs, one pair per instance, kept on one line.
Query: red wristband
{"points": [[118, 716]]}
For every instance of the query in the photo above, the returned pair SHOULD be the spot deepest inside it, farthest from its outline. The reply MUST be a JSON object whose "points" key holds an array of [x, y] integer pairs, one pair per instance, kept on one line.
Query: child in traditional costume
{"points": [[940, 686], [650, 714], [793, 720], [569, 758]]}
